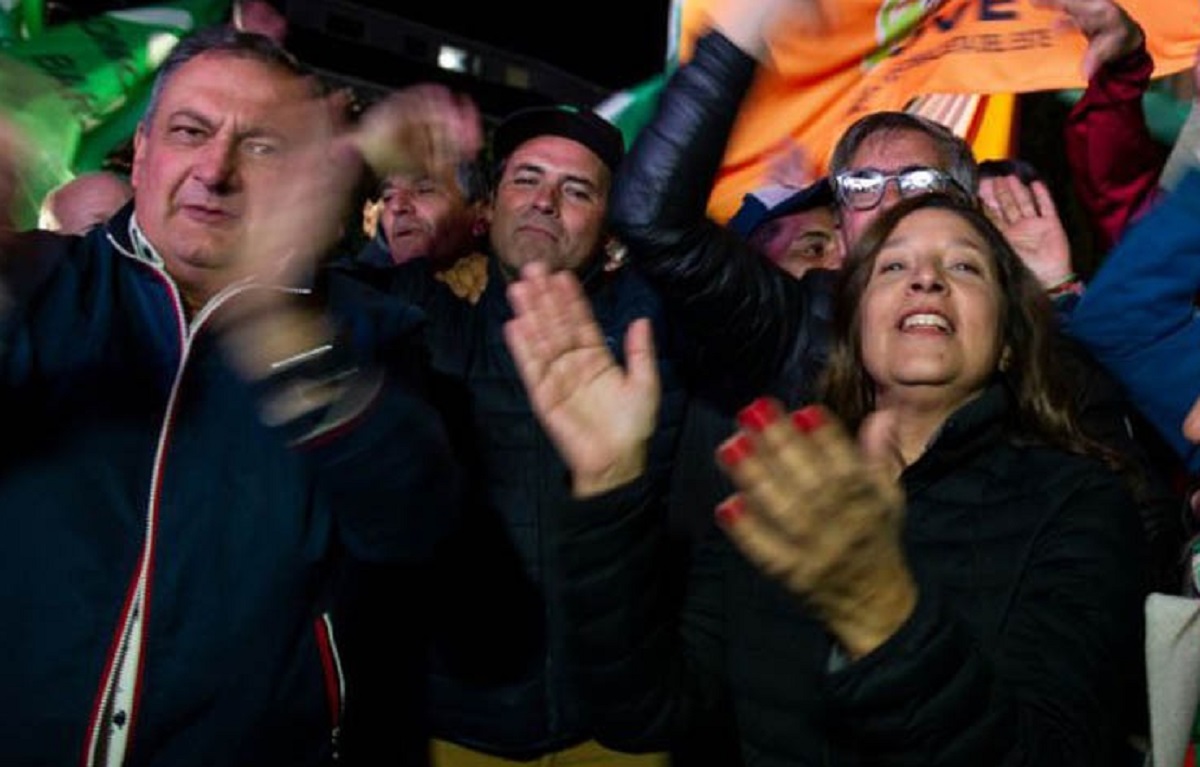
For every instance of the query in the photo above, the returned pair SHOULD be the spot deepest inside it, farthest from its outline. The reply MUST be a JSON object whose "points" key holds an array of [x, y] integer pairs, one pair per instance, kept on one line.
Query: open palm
{"points": [[599, 416]]}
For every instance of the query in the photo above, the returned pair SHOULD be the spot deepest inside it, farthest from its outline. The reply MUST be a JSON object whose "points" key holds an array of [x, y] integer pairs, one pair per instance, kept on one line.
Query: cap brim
{"points": [[583, 126]]}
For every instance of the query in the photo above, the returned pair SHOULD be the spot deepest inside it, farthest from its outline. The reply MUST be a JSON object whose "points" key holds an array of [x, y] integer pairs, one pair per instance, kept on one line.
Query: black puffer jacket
{"points": [[1022, 650], [502, 679]]}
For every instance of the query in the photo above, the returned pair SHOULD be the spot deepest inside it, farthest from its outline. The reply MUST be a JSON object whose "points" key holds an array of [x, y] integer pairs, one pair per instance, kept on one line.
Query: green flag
{"points": [[631, 109], [20, 20], [78, 88]]}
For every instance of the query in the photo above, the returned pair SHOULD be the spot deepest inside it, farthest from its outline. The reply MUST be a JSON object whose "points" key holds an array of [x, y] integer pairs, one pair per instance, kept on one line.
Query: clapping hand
{"points": [[823, 516], [423, 129], [599, 416]]}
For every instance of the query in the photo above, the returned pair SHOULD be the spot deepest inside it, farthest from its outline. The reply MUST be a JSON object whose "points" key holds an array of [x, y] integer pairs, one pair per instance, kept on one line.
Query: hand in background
{"points": [[421, 129], [1029, 220], [599, 416], [1110, 31], [789, 165]]}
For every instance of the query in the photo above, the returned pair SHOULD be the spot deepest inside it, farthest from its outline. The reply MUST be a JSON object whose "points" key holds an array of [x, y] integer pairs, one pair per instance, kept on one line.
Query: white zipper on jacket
{"points": [[112, 721]]}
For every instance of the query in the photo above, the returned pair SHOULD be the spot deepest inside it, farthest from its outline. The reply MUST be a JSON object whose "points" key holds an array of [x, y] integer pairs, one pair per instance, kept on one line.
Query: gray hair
{"points": [[956, 154], [227, 40]]}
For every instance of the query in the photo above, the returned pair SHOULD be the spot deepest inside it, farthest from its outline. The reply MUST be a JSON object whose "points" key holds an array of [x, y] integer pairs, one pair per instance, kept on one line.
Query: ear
{"points": [[487, 210], [481, 215], [1005, 358], [139, 139]]}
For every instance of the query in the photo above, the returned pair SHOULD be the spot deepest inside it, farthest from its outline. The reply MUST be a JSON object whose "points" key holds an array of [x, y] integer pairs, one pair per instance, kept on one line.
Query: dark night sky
{"points": [[612, 43]]}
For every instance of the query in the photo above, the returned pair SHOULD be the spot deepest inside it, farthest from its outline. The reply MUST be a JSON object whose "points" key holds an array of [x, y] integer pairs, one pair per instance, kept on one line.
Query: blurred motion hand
{"points": [[1029, 220], [822, 516], [293, 224], [750, 24], [599, 417], [789, 165], [424, 128], [14, 157], [289, 228], [14, 161]]}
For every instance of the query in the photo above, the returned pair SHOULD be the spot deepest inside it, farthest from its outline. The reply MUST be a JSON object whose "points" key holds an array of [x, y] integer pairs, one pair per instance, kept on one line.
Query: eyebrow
{"points": [[207, 122], [961, 242], [898, 171], [392, 183], [569, 177]]}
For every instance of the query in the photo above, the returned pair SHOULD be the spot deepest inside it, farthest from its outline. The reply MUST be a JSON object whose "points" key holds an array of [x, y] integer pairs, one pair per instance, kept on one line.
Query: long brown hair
{"points": [[1045, 407]]}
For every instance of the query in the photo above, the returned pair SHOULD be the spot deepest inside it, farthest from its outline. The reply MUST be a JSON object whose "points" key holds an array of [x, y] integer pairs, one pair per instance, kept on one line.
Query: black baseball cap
{"points": [[771, 202], [576, 123]]}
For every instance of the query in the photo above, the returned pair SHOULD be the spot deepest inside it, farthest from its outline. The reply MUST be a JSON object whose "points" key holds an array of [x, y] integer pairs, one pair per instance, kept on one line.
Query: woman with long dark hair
{"points": [[960, 587]]}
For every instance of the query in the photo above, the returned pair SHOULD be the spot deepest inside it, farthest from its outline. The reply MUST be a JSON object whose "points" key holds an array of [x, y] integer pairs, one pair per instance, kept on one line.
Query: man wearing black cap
{"points": [[795, 227], [501, 682]]}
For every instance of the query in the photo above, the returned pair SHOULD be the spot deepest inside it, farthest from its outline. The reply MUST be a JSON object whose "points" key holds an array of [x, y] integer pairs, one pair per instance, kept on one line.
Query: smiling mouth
{"points": [[926, 321]]}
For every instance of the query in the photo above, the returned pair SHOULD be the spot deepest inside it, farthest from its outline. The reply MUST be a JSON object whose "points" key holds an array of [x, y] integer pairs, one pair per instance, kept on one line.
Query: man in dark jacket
{"points": [[198, 432], [502, 681]]}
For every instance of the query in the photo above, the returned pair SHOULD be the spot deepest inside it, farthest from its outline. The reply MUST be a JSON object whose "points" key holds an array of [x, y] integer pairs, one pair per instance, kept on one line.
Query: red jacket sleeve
{"points": [[1114, 161]]}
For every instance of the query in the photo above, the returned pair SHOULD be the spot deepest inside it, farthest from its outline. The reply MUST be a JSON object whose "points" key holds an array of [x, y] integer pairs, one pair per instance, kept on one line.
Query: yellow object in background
{"points": [[589, 754]]}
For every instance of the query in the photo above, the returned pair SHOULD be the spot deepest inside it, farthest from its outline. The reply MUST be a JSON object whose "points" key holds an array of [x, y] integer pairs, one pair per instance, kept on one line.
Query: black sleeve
{"points": [[754, 321], [622, 592]]}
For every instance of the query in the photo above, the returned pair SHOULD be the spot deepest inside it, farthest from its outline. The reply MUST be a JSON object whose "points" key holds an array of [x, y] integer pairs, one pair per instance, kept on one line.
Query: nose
{"points": [[546, 199], [927, 277], [216, 165], [399, 201], [891, 194]]}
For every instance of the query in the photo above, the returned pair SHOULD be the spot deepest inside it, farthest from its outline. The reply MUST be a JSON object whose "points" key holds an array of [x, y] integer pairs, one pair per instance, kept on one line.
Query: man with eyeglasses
{"points": [[886, 156]]}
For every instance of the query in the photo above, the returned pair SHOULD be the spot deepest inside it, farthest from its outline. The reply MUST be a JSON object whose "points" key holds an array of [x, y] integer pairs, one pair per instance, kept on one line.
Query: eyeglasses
{"points": [[863, 189]]}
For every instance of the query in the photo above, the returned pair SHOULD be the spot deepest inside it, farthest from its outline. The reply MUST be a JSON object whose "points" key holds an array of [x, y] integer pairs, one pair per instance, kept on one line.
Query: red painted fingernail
{"points": [[808, 419], [735, 450], [730, 510], [759, 414]]}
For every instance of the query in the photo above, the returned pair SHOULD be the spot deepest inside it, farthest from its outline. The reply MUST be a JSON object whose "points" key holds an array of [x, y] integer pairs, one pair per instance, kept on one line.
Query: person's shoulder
{"points": [[356, 295], [1057, 470], [32, 255]]}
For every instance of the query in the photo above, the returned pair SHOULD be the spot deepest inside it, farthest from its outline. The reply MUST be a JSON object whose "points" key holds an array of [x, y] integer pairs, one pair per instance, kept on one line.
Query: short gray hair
{"points": [[227, 40], [957, 157]]}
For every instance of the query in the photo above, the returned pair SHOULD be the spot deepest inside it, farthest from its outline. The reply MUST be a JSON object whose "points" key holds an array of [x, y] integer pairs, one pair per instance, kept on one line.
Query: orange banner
{"points": [[882, 54]]}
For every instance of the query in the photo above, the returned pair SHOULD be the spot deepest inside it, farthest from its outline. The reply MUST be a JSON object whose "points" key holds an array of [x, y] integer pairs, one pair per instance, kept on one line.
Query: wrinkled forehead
{"points": [[561, 156], [408, 181], [225, 82], [891, 149]]}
